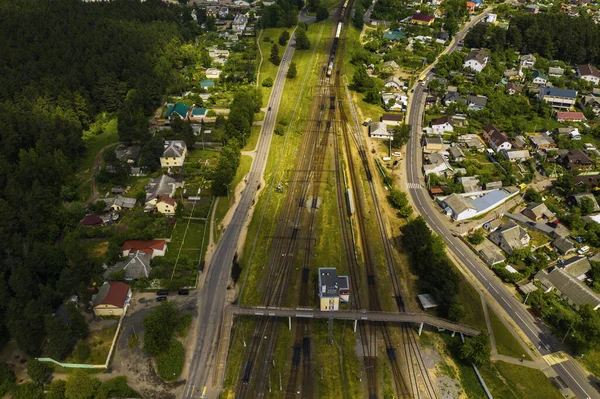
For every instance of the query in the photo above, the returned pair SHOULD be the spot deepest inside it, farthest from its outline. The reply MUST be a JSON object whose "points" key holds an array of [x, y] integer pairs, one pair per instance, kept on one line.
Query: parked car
{"points": [[161, 298], [184, 292], [162, 293], [583, 250]]}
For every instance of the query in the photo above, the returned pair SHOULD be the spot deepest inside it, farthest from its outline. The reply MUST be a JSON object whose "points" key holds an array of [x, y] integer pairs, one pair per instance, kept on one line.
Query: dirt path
{"points": [[97, 163]]}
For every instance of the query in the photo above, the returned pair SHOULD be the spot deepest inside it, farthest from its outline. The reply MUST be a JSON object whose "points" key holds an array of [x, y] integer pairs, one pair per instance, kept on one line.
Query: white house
{"points": [[476, 60], [458, 207], [491, 18], [213, 73], [442, 125], [379, 130], [588, 72], [393, 83]]}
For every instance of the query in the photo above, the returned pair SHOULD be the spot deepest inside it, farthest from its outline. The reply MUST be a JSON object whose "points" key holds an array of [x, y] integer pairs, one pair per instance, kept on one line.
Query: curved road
{"points": [[211, 296], [570, 371]]}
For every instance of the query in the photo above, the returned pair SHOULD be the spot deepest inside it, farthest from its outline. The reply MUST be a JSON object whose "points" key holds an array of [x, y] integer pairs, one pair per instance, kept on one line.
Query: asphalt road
{"points": [[211, 296], [570, 371]]}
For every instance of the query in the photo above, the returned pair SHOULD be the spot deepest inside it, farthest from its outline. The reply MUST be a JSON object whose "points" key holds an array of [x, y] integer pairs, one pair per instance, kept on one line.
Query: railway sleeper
{"points": [[247, 372]]}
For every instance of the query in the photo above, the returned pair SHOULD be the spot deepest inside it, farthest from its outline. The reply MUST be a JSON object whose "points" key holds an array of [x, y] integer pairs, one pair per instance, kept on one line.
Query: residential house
{"points": [[532, 8], [470, 184], [527, 61], [166, 205], [433, 144], [174, 153], [558, 98], [163, 185], [456, 154], [542, 141], [393, 83], [538, 211], [118, 203], [422, 19], [519, 142], [563, 245], [570, 116], [153, 248], [470, 7], [207, 83], [491, 255], [214, 52], [128, 154], [492, 225], [332, 289], [379, 130], [451, 98], [458, 207], [575, 200], [578, 160], [442, 37], [539, 78], [491, 18], [394, 101], [516, 155], [213, 73], [476, 60], [513, 88], [472, 141], [509, 237], [577, 266], [92, 220], [568, 288], [394, 36], [112, 299], [592, 101], [493, 185], [571, 132], [390, 66], [392, 119], [135, 266], [476, 103], [442, 125], [588, 72], [239, 23], [198, 114], [556, 72], [513, 74], [496, 139], [179, 109], [435, 163]]}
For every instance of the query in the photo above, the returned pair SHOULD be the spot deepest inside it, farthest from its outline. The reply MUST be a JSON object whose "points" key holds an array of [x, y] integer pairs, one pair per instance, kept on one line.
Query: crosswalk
{"points": [[414, 186], [555, 358]]}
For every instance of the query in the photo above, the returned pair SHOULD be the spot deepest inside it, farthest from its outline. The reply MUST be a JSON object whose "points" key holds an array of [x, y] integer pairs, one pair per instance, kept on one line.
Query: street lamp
{"points": [[563, 340], [227, 186]]}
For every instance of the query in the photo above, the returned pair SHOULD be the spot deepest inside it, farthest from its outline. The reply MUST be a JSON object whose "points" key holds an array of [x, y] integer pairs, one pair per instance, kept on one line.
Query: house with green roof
{"points": [[539, 78], [394, 36], [198, 113], [207, 83], [179, 108]]}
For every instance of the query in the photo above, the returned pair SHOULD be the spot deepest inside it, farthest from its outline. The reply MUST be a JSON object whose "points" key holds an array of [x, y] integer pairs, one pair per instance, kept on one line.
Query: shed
{"points": [[427, 301]]}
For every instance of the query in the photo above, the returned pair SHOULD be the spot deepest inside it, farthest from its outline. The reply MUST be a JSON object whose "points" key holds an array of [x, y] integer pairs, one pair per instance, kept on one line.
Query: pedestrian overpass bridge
{"points": [[355, 315]]}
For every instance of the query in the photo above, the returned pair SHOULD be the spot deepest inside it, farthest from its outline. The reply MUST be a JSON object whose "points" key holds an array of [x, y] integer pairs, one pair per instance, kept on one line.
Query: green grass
{"points": [[506, 343], [253, 139], [170, 363], [506, 380], [267, 68], [468, 379], [470, 301], [591, 361], [99, 342], [226, 202], [101, 133]]}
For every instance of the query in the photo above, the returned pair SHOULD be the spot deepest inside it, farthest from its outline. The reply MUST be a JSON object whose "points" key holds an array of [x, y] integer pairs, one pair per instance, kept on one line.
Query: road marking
{"points": [[414, 186], [556, 358]]}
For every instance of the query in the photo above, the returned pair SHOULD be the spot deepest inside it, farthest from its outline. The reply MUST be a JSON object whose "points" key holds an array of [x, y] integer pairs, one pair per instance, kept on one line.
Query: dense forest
{"points": [[551, 35], [62, 63]]}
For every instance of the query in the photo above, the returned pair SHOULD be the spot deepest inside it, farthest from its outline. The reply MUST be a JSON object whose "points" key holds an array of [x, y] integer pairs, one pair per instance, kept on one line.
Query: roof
{"points": [[555, 71], [588, 70], [122, 202], [556, 92], [498, 138], [516, 154], [569, 286], [179, 108], [492, 255], [427, 301], [160, 185], [539, 140], [91, 220], [199, 112], [479, 55], [570, 115], [538, 209], [456, 152], [527, 288], [392, 117], [137, 265], [166, 199], [112, 293], [147, 246], [478, 100], [512, 234], [577, 266], [378, 127], [563, 245], [490, 199], [579, 197], [538, 74], [423, 17], [434, 140], [174, 149], [442, 120], [330, 283], [207, 83], [394, 35], [393, 79], [578, 157], [457, 203]]}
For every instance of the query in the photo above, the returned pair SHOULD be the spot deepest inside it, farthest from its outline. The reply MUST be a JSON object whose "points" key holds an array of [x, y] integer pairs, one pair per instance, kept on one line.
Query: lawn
{"points": [[267, 68], [470, 301], [253, 139], [506, 343], [506, 380], [100, 134], [99, 342], [591, 361]]}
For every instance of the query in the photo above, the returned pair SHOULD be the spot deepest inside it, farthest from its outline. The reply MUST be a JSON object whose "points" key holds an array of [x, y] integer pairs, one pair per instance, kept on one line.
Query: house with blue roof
{"points": [[558, 98], [179, 109], [394, 36], [205, 84]]}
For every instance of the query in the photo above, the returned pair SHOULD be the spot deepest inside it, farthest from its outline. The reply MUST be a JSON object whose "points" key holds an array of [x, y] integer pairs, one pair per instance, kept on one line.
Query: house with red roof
{"points": [[112, 299], [166, 205], [570, 116], [151, 247], [91, 220], [422, 19]]}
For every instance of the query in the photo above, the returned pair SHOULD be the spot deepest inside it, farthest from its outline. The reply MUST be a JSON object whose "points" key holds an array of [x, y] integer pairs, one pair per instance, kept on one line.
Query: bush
{"points": [[268, 82], [266, 39], [82, 352], [476, 350], [7, 381], [183, 324], [170, 364]]}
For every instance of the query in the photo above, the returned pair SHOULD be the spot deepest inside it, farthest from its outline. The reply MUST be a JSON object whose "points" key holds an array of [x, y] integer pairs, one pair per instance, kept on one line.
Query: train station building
{"points": [[332, 289]]}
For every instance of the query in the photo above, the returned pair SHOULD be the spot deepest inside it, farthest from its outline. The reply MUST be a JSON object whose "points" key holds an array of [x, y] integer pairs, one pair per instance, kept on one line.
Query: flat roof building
{"points": [[332, 289]]}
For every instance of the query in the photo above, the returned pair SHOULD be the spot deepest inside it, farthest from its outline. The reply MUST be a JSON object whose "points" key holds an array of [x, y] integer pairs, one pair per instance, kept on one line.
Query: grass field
{"points": [[507, 380], [469, 299], [99, 342], [591, 361], [506, 343], [267, 68]]}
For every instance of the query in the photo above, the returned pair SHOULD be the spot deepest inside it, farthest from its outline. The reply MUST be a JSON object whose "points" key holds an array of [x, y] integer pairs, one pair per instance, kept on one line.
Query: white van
{"points": [[583, 250]]}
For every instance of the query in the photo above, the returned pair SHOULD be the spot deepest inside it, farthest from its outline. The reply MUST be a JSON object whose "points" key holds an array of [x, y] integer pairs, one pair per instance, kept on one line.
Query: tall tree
{"points": [[39, 372], [302, 42], [274, 58], [291, 73], [158, 328]]}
